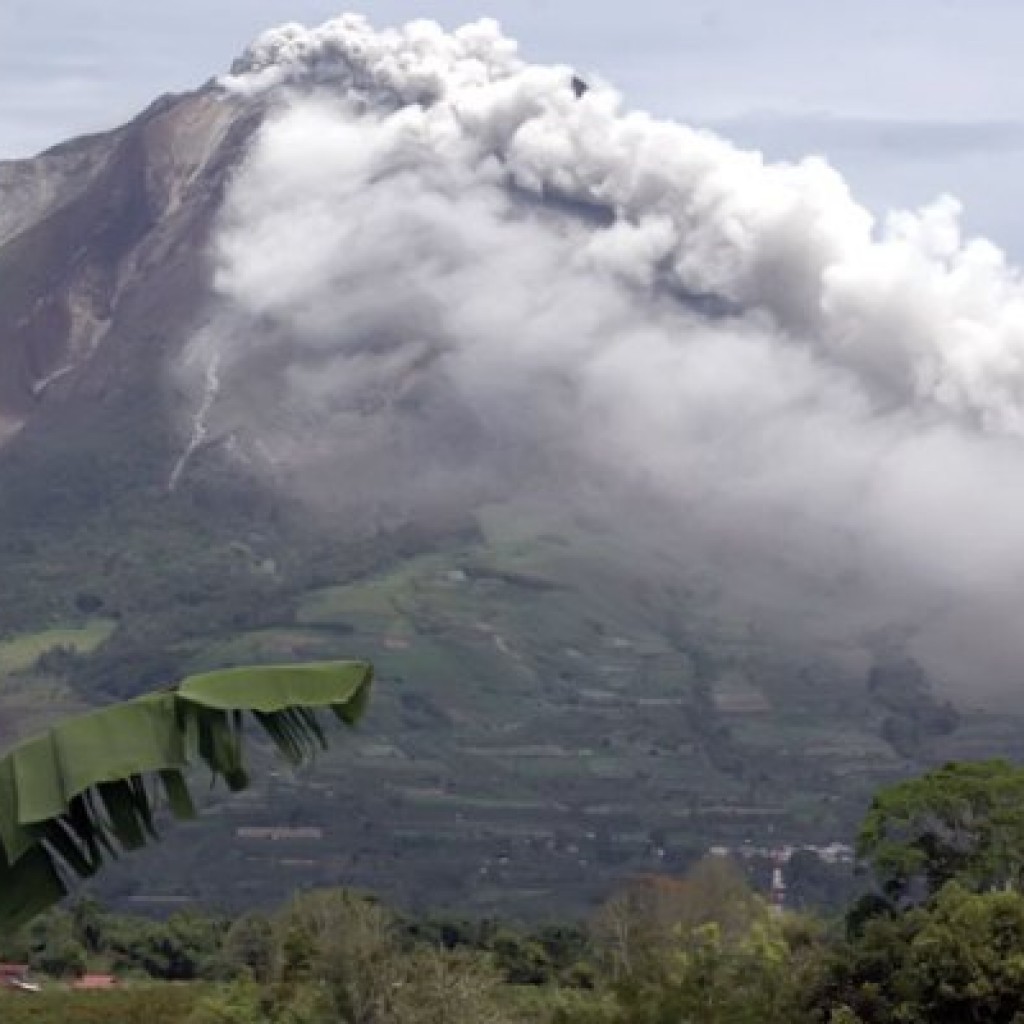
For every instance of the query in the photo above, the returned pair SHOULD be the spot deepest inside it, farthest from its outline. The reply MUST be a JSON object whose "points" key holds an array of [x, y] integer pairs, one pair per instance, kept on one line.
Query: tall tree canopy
{"points": [[963, 822], [86, 788]]}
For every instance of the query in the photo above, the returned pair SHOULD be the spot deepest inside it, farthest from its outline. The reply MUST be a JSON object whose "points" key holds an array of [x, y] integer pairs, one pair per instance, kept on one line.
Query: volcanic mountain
{"points": [[667, 491]]}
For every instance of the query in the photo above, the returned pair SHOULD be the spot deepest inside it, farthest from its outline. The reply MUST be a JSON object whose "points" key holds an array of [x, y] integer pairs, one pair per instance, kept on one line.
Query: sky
{"points": [[908, 98]]}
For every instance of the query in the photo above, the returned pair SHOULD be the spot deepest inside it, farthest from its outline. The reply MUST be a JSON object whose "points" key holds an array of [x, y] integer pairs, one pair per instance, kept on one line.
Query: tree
{"points": [[638, 926], [340, 957], [443, 986], [56, 950], [86, 789], [702, 948], [964, 821], [346, 946], [237, 1003], [249, 946], [961, 958]]}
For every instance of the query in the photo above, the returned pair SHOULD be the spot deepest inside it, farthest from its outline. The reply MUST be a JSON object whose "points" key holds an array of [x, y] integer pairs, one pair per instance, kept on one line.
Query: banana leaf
{"points": [[86, 790]]}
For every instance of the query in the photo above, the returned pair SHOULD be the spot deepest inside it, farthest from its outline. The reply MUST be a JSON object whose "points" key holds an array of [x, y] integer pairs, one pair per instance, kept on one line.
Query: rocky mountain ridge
{"points": [[100, 239]]}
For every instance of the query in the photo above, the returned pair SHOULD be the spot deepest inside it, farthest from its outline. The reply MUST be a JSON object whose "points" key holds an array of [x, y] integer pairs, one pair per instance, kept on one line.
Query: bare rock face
{"points": [[85, 227]]}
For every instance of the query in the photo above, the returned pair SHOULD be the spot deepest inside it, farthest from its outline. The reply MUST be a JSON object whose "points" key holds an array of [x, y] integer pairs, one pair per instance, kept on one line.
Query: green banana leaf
{"points": [[86, 790]]}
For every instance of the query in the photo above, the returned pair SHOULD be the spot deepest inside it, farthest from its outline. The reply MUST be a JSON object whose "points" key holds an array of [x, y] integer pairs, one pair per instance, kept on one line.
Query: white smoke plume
{"points": [[442, 270]]}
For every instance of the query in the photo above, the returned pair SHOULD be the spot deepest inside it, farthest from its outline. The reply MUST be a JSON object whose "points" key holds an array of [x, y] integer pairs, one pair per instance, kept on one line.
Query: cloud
{"points": [[898, 138], [443, 277]]}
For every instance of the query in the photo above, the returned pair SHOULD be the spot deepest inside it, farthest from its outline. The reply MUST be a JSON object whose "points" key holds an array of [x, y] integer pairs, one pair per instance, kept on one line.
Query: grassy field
{"points": [[131, 1004], [34, 693], [20, 652]]}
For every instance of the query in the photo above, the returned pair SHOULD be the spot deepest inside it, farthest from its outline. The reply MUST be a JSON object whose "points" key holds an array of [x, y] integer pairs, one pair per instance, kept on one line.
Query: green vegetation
{"points": [[86, 788], [957, 957], [961, 823], [149, 1003], [24, 650], [703, 948]]}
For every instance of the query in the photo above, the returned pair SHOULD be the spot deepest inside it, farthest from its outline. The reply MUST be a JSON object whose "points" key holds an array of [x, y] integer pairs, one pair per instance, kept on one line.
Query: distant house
{"points": [[94, 981], [9, 971], [15, 976]]}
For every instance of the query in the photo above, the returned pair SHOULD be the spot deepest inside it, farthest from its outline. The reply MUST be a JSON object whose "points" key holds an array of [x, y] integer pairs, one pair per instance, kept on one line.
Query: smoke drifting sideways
{"points": [[446, 275]]}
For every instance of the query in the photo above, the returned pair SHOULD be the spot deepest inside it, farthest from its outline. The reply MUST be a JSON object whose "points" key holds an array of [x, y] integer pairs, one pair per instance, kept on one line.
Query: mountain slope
{"points": [[346, 357], [102, 238]]}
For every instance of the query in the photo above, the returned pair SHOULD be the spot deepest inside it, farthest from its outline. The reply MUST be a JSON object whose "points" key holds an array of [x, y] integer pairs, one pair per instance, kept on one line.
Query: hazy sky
{"points": [[909, 98]]}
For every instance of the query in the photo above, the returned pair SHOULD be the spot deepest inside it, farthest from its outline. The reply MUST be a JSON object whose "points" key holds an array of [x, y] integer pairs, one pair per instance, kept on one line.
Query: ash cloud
{"points": [[445, 277]]}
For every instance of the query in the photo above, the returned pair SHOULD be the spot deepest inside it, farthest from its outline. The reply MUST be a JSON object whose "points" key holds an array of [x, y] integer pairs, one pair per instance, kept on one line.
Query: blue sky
{"points": [[910, 98]]}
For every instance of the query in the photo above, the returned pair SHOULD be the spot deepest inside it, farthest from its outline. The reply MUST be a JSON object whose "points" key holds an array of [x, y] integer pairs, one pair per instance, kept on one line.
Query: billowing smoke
{"points": [[447, 274]]}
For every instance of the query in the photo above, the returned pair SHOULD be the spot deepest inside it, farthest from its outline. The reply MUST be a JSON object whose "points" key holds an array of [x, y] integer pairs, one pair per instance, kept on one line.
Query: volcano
{"points": [[670, 494]]}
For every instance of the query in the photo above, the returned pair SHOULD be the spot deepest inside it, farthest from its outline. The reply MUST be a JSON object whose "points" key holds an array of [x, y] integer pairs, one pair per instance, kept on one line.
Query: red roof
{"points": [[14, 976], [95, 981]]}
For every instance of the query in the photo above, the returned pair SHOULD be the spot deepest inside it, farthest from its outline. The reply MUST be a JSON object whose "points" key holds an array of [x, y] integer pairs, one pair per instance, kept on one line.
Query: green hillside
{"points": [[553, 712]]}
